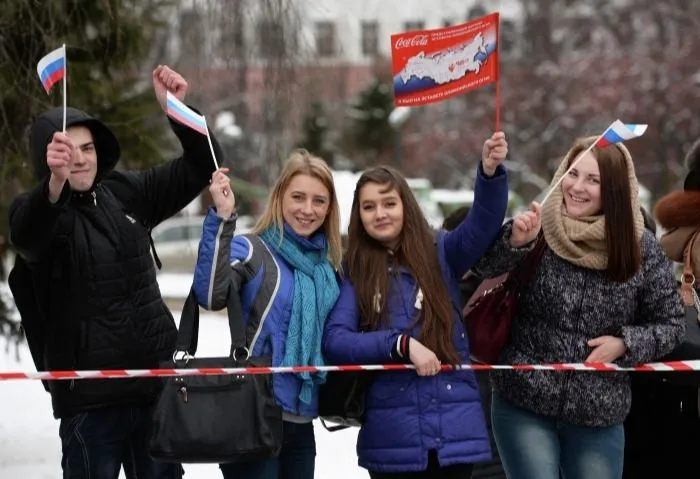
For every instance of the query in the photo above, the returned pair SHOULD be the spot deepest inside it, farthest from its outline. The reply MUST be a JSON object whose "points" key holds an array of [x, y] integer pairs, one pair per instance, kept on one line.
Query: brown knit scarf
{"points": [[581, 241]]}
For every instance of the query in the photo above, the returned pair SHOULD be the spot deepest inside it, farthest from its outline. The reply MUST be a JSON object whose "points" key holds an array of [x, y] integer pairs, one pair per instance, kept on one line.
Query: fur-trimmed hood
{"points": [[679, 209], [679, 213]]}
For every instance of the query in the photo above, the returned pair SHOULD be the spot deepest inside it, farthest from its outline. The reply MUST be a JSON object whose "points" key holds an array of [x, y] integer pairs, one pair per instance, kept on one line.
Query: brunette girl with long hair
{"points": [[400, 301], [603, 292]]}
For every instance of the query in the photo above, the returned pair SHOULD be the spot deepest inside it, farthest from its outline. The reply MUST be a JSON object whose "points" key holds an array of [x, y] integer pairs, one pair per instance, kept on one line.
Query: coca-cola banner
{"points": [[432, 65]]}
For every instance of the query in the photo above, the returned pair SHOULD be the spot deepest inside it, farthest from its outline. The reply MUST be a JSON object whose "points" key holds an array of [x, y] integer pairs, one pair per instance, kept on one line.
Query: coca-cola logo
{"points": [[415, 41]]}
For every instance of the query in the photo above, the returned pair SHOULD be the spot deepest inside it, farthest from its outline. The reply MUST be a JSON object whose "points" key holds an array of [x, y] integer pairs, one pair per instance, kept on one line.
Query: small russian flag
{"points": [[184, 114], [618, 132], [52, 68]]}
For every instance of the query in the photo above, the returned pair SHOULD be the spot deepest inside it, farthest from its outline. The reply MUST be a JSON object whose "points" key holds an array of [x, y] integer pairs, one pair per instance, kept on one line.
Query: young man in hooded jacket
{"points": [[84, 233]]}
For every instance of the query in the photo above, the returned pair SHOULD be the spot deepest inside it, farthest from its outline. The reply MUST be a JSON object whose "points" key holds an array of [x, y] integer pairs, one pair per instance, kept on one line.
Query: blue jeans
{"points": [[537, 446], [297, 459], [97, 443]]}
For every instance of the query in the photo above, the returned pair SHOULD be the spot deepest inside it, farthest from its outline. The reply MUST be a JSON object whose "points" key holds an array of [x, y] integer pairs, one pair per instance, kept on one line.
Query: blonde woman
{"points": [[285, 273]]}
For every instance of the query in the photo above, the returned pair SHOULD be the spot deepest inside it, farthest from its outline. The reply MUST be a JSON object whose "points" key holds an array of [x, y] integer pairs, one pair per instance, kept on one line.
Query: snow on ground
{"points": [[29, 443], [174, 285]]}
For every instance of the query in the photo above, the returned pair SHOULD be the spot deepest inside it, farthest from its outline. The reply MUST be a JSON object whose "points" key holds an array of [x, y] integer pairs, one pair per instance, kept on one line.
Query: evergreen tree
{"points": [[315, 132], [370, 135], [9, 322]]}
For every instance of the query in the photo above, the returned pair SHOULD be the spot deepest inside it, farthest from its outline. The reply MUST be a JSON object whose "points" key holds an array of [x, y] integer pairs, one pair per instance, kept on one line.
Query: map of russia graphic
{"points": [[432, 65]]}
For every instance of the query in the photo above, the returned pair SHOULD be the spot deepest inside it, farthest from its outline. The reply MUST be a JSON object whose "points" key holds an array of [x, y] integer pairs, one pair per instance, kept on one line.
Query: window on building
{"points": [[231, 36], [191, 38], [370, 38], [190, 28], [413, 25], [325, 39], [271, 39]]}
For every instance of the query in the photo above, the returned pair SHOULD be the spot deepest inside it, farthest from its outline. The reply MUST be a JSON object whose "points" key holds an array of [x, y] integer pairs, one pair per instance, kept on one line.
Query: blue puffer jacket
{"points": [[408, 415], [265, 283]]}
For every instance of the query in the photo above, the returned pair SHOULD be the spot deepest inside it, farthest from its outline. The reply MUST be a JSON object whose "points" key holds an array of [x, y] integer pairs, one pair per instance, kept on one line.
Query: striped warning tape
{"points": [[678, 366]]}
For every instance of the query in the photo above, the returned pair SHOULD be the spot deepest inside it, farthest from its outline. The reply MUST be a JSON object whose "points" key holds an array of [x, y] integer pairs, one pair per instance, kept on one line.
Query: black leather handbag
{"points": [[221, 418]]}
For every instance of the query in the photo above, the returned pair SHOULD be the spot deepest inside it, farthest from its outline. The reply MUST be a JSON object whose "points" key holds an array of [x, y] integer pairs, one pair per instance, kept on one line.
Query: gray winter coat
{"points": [[563, 308]]}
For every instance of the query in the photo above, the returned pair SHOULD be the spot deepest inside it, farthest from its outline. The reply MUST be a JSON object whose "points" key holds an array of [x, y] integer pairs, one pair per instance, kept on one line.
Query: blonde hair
{"points": [[301, 162]]}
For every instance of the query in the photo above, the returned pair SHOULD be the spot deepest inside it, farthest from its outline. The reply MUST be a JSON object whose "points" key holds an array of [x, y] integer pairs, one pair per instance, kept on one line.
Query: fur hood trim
{"points": [[679, 209]]}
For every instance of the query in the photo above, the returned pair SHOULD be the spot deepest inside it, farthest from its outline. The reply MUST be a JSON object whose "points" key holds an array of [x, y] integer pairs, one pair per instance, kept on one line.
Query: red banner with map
{"points": [[432, 65]]}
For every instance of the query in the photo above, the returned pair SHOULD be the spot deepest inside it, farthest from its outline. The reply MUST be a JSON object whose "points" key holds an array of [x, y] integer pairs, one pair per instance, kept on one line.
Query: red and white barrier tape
{"points": [[678, 366]]}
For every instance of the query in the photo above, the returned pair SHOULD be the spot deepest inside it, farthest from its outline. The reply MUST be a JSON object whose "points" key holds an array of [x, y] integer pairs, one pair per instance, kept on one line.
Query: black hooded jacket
{"points": [[92, 252]]}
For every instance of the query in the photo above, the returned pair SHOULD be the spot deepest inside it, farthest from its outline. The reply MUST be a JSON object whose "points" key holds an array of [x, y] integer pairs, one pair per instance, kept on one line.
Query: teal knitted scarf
{"points": [[315, 293]]}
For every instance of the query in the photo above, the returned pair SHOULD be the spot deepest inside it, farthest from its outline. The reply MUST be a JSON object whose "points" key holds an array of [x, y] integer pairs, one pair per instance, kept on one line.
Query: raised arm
{"points": [[469, 241], [162, 191], [221, 257]]}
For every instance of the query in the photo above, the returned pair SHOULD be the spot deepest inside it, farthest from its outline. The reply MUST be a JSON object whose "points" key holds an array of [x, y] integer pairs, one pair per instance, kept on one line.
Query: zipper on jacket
{"points": [[94, 197]]}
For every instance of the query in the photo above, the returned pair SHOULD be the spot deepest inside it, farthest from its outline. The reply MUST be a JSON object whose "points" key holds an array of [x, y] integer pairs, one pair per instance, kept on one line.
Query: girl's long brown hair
{"points": [[368, 267], [624, 251]]}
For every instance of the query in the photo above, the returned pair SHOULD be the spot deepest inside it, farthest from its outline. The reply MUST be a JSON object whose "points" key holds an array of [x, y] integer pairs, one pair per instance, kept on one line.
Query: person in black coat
{"points": [[3, 254], [84, 234], [662, 431]]}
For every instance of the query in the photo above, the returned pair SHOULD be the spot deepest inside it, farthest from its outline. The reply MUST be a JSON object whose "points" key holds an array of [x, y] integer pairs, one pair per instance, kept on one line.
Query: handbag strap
{"points": [[527, 268], [188, 331], [688, 278]]}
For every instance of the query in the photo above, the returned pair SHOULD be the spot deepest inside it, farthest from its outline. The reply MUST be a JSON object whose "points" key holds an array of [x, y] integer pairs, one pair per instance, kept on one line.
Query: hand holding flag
{"points": [[221, 193], [526, 226], [494, 152], [59, 156]]}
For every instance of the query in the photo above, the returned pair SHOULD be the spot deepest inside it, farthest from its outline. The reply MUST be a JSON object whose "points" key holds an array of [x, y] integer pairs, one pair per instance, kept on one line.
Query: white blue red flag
{"points": [[185, 115], [52, 68], [619, 132]]}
